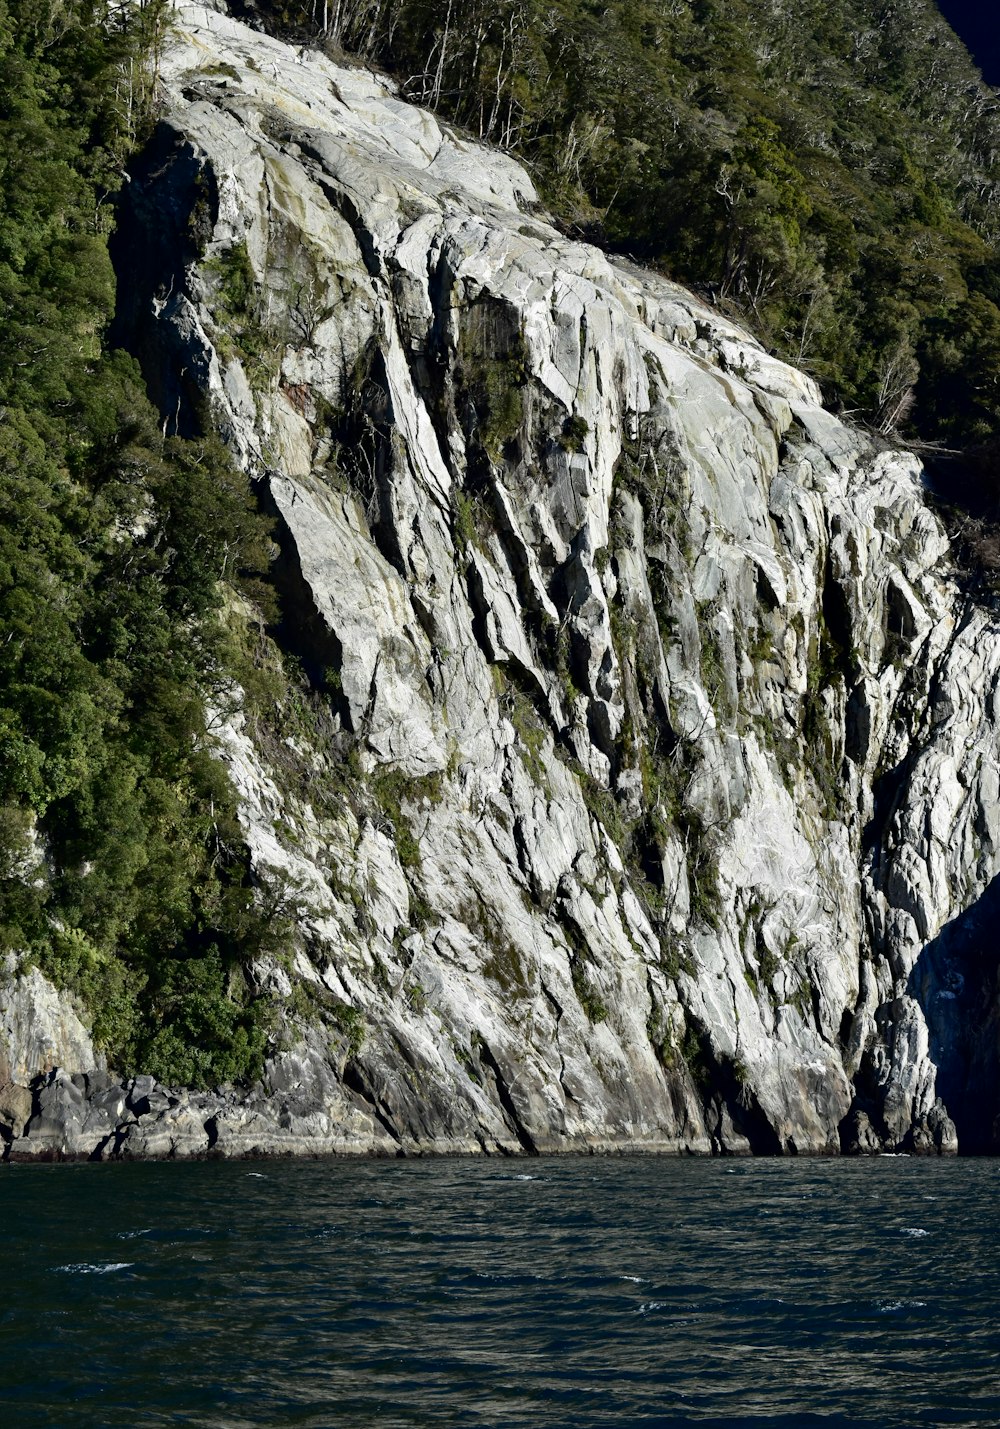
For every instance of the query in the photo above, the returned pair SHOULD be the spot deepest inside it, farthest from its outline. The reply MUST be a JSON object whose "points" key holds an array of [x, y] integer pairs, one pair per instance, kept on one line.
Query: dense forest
{"points": [[121, 867], [828, 171]]}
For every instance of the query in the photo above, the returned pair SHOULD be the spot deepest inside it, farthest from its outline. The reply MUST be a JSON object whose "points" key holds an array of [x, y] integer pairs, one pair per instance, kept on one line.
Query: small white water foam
{"points": [[913, 1230], [650, 1306], [86, 1268], [257, 1175], [635, 1279], [891, 1307], [134, 1235]]}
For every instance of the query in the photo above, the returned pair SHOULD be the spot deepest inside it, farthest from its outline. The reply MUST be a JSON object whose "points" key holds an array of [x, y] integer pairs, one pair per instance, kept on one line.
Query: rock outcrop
{"points": [[647, 796]]}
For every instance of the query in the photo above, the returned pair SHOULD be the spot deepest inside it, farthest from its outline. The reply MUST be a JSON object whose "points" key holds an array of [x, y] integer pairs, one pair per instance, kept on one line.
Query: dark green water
{"points": [[536, 1293]]}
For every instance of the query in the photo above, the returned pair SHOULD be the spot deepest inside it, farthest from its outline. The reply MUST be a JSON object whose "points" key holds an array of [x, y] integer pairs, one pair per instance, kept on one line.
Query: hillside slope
{"points": [[827, 169]]}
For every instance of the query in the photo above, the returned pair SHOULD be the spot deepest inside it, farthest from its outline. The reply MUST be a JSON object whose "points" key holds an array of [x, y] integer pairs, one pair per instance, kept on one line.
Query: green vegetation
{"points": [[312, 1004], [662, 1038], [472, 521], [696, 1052], [668, 769], [417, 998], [351, 1025], [240, 314], [587, 995], [802, 1000], [651, 469], [516, 702], [574, 434], [713, 662], [504, 964], [828, 664], [122, 870], [827, 169], [492, 370], [391, 789], [767, 962]]}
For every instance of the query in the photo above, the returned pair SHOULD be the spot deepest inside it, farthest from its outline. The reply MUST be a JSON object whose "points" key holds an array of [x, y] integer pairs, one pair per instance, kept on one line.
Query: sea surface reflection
{"points": [[538, 1293]]}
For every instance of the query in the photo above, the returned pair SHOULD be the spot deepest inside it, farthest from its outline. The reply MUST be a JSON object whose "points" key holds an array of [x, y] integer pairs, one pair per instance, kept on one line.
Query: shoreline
{"points": [[92, 1117]]}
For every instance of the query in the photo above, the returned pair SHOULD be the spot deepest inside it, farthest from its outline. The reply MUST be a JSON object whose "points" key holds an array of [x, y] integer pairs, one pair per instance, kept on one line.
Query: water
{"points": [[535, 1293]]}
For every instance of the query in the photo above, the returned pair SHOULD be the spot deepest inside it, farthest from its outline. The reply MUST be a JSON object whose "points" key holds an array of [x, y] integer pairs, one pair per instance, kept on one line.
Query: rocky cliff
{"points": [[630, 758]]}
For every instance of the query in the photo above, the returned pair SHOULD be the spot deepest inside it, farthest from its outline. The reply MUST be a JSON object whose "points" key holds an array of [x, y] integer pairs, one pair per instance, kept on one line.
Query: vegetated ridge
{"points": [[829, 172]]}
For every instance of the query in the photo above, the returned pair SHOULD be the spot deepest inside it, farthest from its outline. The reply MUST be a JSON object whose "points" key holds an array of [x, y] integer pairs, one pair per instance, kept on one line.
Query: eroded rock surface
{"points": [[650, 796]]}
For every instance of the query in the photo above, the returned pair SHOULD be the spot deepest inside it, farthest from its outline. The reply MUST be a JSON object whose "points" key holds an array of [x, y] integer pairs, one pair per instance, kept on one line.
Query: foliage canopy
{"points": [[122, 869]]}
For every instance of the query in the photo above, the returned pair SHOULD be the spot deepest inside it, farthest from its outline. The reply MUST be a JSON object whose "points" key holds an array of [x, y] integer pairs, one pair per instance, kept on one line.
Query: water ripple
{"points": [[576, 1293]]}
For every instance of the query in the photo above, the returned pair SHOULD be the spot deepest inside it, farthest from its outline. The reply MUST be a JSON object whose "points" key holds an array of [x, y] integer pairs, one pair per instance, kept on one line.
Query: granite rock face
{"points": [[650, 799], [40, 1031]]}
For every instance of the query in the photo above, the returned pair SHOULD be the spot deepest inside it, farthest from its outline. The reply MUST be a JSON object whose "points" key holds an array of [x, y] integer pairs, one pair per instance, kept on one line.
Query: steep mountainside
{"points": [[623, 758]]}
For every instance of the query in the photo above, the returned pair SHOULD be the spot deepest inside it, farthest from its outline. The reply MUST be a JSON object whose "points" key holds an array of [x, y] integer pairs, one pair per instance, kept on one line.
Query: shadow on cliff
{"points": [[964, 491], [956, 980], [166, 214]]}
